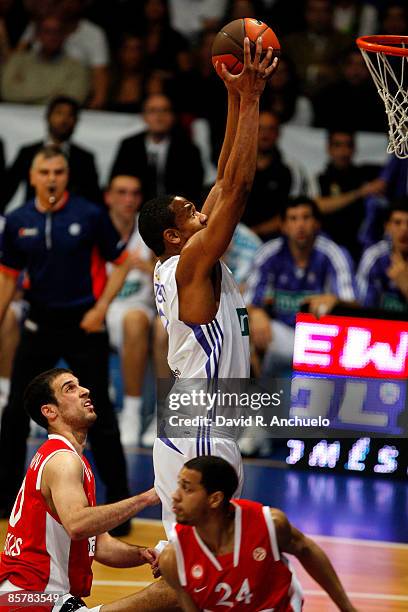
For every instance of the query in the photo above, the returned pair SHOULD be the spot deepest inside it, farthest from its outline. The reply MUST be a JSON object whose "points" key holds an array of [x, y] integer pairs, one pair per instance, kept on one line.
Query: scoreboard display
{"points": [[375, 457], [354, 371]]}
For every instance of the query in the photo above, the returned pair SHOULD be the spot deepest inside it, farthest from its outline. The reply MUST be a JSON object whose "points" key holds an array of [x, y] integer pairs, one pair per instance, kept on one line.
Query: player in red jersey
{"points": [[227, 553], [55, 528]]}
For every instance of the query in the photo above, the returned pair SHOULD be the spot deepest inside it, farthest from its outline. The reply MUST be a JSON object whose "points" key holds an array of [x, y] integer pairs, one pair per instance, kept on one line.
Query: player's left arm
{"points": [[230, 131], [168, 569], [93, 319], [312, 557], [115, 553]]}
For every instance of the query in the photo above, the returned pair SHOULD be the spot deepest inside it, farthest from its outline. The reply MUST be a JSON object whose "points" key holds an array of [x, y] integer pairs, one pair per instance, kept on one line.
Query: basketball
{"points": [[228, 45]]}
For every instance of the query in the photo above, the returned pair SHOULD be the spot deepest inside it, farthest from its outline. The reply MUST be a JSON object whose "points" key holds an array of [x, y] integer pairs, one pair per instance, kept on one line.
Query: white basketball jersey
{"points": [[138, 284], [219, 349]]}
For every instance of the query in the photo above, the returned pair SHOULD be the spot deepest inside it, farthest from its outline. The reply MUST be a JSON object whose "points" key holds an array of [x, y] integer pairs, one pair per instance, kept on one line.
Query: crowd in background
{"points": [[301, 239], [113, 53]]}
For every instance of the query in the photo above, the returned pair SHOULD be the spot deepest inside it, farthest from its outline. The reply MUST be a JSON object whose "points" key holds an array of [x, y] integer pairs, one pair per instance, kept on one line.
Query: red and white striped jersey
{"points": [[255, 577], [39, 554]]}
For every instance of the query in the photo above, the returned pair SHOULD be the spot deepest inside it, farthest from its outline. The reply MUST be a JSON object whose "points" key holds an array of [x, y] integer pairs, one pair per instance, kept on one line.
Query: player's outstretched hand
{"points": [[251, 81]]}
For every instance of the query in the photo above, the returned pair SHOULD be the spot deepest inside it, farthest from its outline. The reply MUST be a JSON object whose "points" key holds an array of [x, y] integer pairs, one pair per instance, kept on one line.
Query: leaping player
{"points": [[196, 296]]}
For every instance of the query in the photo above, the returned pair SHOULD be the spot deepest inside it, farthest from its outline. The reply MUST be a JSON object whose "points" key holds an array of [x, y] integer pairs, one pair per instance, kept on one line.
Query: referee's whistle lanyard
{"points": [[48, 231], [48, 217]]}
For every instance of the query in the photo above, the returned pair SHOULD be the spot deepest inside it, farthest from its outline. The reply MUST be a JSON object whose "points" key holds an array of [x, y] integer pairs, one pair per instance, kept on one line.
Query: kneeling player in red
{"points": [[229, 553]]}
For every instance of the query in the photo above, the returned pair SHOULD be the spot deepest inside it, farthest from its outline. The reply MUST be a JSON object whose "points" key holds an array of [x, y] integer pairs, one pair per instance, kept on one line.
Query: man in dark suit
{"points": [[163, 157], [61, 116]]}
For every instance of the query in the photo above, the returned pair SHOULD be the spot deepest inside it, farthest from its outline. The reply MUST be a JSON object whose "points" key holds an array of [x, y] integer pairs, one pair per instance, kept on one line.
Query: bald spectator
{"points": [[37, 75], [163, 156]]}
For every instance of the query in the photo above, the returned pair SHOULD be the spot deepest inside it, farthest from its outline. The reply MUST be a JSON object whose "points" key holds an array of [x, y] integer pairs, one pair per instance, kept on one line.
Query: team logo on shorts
{"points": [[74, 229], [259, 554], [197, 571]]}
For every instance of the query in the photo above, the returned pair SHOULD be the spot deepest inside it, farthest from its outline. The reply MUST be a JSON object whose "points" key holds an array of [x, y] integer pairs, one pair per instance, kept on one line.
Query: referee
{"points": [[62, 243]]}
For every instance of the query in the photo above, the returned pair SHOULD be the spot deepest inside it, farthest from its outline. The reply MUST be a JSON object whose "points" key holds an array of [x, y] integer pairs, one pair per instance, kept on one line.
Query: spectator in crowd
{"points": [[164, 46], [202, 93], [355, 17], [163, 157], [38, 9], [35, 76], [192, 18], [281, 92], [346, 102], [60, 240], [314, 51], [382, 277], [84, 41], [61, 117], [302, 266], [130, 316], [12, 21], [128, 75], [393, 184], [394, 18], [289, 16], [238, 9], [342, 187], [274, 181]]}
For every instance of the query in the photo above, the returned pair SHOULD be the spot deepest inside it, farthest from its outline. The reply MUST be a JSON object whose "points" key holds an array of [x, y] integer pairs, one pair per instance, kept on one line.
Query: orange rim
{"points": [[381, 44]]}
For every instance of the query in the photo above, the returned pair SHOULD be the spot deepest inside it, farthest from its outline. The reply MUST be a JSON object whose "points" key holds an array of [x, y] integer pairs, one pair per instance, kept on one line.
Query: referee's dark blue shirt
{"points": [[63, 251]]}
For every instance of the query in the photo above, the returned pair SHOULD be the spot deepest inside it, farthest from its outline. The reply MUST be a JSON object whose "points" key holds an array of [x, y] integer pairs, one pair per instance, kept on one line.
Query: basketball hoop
{"points": [[387, 60]]}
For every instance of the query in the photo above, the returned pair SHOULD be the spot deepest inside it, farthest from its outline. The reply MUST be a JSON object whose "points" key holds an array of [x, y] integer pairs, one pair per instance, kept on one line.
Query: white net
{"points": [[390, 75]]}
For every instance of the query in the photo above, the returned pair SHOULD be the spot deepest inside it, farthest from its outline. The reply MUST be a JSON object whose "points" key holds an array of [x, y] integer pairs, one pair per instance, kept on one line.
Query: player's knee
{"points": [[135, 324]]}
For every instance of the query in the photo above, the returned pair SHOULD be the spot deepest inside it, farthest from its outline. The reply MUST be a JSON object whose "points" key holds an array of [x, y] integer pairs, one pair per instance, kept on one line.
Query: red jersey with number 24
{"points": [[38, 554], [255, 577]]}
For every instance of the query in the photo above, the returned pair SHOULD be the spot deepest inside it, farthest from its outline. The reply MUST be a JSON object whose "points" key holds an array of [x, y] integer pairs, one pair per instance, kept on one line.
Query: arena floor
{"points": [[360, 523]]}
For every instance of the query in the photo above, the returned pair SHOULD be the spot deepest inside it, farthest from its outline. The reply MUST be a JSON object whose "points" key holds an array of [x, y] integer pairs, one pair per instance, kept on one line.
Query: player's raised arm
{"points": [[227, 210], [313, 558], [229, 138]]}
